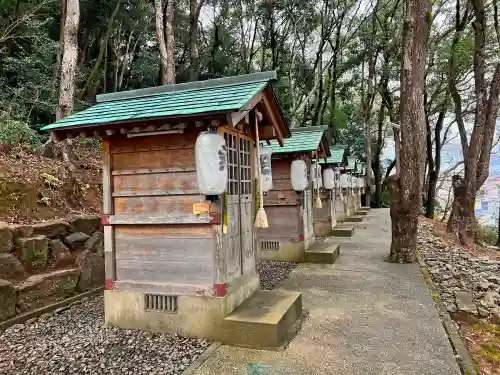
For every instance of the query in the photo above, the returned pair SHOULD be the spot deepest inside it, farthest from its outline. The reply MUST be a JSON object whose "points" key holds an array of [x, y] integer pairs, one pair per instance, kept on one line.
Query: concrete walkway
{"points": [[366, 317]]}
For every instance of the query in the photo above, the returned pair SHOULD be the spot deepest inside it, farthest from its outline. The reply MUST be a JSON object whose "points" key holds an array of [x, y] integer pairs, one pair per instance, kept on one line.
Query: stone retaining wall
{"points": [[43, 263]]}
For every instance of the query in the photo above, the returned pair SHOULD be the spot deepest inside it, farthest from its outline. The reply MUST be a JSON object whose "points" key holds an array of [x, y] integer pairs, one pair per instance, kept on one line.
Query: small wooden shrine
{"points": [[325, 218], [179, 183], [346, 183], [290, 211]]}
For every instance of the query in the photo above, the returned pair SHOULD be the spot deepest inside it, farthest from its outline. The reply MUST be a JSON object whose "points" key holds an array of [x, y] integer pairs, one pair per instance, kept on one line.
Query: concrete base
{"points": [[355, 219], [343, 231], [288, 251], [262, 321], [360, 212], [322, 228], [325, 253], [365, 208], [265, 320]]}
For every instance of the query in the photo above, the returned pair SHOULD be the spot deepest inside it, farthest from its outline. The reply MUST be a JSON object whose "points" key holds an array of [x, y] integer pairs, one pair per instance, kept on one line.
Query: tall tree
{"points": [[69, 59], [194, 55], [166, 39], [478, 152], [70, 15], [407, 185]]}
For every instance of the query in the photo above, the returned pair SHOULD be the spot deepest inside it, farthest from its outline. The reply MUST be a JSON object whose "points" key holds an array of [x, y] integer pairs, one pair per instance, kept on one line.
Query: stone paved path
{"points": [[366, 317]]}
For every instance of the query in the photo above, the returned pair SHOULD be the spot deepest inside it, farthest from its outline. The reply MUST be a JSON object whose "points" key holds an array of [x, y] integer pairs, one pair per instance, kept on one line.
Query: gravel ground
{"points": [[272, 272], [76, 341]]}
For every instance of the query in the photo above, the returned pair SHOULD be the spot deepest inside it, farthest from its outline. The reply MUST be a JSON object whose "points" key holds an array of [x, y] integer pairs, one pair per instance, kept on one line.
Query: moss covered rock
{"points": [[33, 252]]}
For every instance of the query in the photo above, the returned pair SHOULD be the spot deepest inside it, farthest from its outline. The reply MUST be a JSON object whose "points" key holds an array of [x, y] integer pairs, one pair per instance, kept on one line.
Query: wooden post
{"points": [[107, 209]]}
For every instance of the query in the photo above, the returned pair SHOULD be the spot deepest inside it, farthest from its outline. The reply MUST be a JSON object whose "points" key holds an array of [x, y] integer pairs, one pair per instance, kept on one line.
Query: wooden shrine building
{"points": [[290, 212], [180, 251], [325, 218], [350, 170]]}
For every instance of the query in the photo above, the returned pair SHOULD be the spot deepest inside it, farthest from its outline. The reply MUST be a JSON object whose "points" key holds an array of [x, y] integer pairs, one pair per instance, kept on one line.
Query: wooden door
{"points": [[246, 204], [238, 239]]}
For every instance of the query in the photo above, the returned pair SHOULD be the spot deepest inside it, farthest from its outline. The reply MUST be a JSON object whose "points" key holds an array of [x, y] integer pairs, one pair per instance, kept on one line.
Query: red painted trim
{"points": [[299, 202], [105, 219], [216, 217], [301, 238], [329, 219], [220, 290], [109, 284]]}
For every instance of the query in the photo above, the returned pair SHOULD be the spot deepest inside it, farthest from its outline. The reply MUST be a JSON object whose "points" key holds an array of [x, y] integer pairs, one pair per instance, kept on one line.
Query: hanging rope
{"points": [[260, 217]]}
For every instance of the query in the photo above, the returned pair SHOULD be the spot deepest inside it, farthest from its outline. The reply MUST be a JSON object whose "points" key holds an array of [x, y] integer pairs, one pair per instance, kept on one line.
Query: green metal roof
{"points": [[351, 166], [303, 139], [337, 157], [215, 95]]}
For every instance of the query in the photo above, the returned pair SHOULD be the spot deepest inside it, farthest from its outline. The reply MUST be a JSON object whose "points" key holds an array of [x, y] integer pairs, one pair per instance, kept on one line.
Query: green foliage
{"points": [[13, 132], [487, 234]]}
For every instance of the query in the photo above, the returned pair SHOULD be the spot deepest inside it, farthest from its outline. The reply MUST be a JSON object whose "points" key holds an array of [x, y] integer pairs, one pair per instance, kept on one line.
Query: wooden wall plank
{"points": [[172, 272], [140, 183], [123, 144], [162, 231], [153, 205], [107, 187], [163, 250], [283, 223], [180, 157]]}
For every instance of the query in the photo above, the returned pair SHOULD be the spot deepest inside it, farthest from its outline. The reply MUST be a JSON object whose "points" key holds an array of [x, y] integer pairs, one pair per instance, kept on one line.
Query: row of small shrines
{"points": [[200, 182]]}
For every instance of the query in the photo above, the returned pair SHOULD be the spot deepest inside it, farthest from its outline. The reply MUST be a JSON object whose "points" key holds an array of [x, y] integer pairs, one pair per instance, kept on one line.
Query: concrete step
{"points": [[264, 321], [365, 208], [343, 231], [325, 252], [360, 212], [354, 219]]}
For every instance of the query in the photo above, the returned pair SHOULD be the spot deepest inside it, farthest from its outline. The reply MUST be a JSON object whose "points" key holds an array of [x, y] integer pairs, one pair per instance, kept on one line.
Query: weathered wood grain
{"points": [[168, 218], [122, 144], [155, 205], [283, 223], [172, 272], [164, 250], [107, 187], [171, 158], [147, 184], [141, 171], [162, 231]]}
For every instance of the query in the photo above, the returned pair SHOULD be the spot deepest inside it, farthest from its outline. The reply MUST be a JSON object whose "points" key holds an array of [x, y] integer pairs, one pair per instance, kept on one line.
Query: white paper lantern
{"points": [[298, 175], [266, 176], [211, 163], [344, 181], [328, 178]]}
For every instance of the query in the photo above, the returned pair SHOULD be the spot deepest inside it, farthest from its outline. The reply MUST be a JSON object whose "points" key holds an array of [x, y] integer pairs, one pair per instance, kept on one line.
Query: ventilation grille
{"points": [[269, 245], [161, 303]]}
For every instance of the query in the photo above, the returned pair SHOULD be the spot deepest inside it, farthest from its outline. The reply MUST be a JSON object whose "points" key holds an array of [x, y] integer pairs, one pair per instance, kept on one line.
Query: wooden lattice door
{"points": [[238, 239]]}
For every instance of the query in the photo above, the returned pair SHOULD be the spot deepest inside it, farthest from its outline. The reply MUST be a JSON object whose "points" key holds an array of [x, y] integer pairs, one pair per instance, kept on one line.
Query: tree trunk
{"points": [[477, 154], [70, 56], [170, 40], [498, 231], [431, 195], [165, 36], [67, 76], [194, 56], [404, 222], [406, 187]]}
